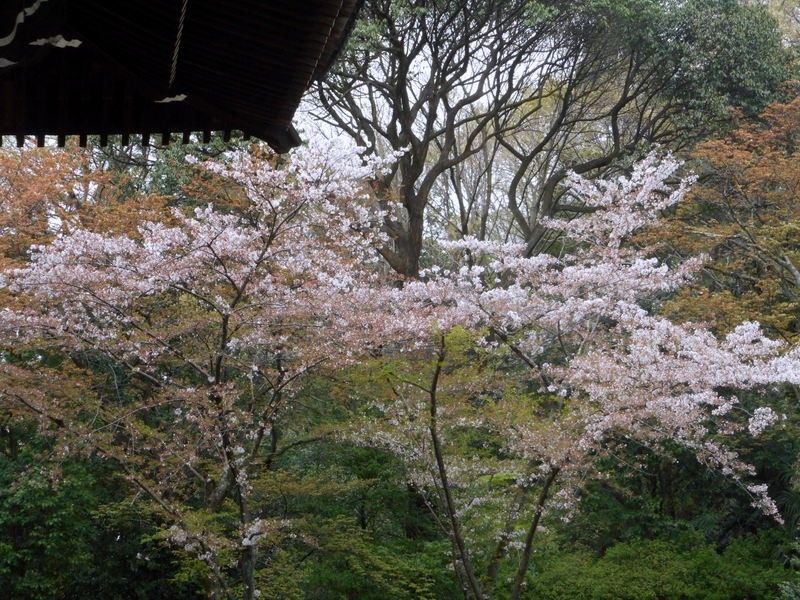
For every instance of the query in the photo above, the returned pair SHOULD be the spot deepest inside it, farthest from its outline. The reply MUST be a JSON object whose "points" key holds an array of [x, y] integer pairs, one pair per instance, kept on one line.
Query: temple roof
{"points": [[161, 67]]}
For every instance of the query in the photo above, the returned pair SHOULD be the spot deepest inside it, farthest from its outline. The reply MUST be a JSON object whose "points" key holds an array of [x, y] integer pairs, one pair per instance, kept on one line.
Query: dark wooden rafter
{"points": [[147, 69]]}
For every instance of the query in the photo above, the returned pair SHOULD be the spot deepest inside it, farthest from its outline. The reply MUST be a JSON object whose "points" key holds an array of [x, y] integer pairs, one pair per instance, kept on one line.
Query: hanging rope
{"points": [[178, 37]]}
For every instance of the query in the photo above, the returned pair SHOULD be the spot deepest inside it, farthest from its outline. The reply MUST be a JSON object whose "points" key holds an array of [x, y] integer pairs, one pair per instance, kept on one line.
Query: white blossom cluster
{"points": [[624, 371]]}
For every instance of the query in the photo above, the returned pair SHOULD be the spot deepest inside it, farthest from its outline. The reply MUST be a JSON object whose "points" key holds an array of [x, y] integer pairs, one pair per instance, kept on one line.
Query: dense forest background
{"points": [[194, 402]]}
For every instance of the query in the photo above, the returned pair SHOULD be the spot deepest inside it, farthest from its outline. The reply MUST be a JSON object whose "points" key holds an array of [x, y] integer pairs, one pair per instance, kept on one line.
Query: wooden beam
{"points": [[41, 92], [86, 103], [128, 111], [63, 98], [22, 100], [109, 85]]}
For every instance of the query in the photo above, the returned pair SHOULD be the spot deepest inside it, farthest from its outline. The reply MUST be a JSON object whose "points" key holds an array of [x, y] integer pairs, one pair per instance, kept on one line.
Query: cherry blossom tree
{"points": [[560, 360], [207, 324]]}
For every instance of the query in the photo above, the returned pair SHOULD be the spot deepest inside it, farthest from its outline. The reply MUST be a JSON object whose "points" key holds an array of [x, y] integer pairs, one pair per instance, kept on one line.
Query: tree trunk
{"points": [[455, 524], [526, 553]]}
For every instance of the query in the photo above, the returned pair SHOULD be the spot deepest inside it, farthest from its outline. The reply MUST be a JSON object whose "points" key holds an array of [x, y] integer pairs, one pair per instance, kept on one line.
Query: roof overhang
{"points": [[163, 67]]}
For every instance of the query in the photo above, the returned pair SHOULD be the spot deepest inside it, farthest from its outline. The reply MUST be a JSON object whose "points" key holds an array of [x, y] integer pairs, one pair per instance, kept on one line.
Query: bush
{"points": [[681, 569]]}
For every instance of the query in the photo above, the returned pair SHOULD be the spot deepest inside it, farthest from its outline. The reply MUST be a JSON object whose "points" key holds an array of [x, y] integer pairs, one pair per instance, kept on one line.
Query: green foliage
{"points": [[350, 563], [712, 54], [663, 569], [65, 534], [790, 590]]}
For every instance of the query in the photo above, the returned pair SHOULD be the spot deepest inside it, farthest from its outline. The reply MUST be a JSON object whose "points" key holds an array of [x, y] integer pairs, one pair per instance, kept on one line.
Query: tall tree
{"points": [[443, 81], [744, 214]]}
